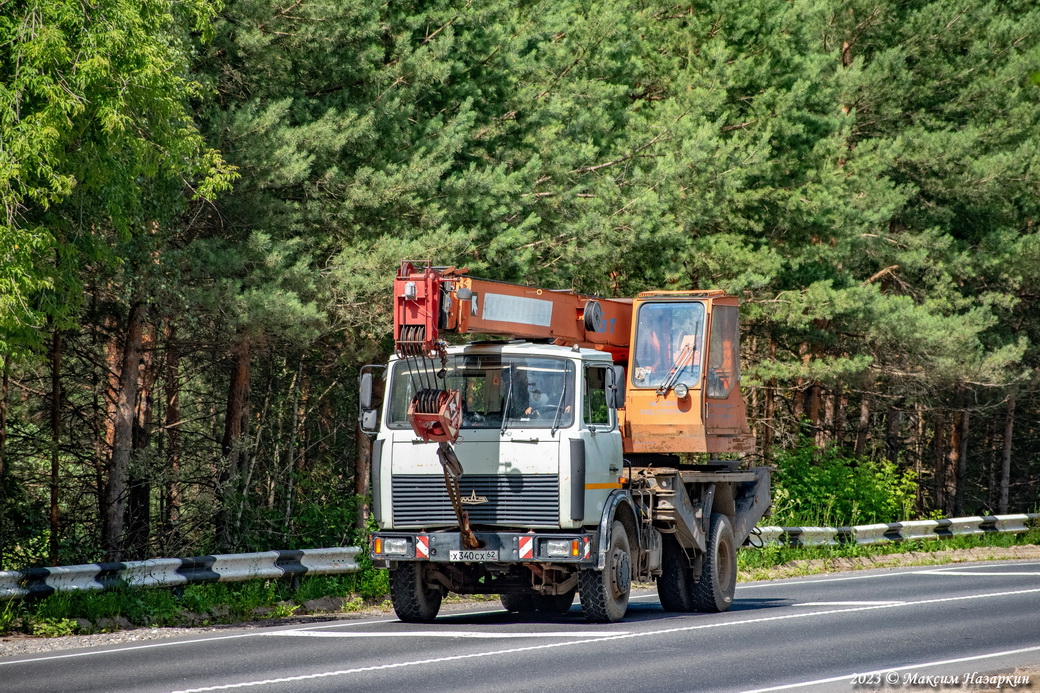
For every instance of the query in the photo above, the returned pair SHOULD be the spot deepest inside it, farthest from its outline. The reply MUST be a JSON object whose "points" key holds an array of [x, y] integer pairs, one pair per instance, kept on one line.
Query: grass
{"points": [[66, 613]]}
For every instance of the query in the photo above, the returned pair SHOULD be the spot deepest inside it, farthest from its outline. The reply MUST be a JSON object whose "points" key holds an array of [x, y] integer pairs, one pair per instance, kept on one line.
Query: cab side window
{"points": [[724, 357], [597, 412]]}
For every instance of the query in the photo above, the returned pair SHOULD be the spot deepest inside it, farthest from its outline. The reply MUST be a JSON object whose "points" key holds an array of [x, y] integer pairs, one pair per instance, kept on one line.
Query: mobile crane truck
{"points": [[553, 463]]}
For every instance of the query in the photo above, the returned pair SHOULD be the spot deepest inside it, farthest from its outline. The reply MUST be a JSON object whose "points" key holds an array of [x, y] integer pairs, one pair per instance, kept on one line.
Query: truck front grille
{"points": [[527, 500]]}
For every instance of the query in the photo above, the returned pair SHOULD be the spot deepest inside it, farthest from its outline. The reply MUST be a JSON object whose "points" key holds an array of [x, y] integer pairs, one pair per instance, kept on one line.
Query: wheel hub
{"points": [[622, 573]]}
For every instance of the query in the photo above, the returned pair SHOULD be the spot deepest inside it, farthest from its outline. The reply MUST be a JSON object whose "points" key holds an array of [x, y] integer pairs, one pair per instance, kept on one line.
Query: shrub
{"points": [[814, 486]]}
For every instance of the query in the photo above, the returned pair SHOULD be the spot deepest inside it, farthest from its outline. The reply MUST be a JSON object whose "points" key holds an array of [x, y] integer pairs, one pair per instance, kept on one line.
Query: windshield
{"points": [[669, 335], [498, 391]]}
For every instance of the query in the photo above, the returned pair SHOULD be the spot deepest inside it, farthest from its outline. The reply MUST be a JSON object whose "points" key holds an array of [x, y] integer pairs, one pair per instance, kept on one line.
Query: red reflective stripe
{"points": [[526, 547], [422, 546]]}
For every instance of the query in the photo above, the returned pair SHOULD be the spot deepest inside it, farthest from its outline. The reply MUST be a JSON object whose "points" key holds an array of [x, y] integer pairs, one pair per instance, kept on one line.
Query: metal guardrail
{"points": [[171, 572], [897, 531]]}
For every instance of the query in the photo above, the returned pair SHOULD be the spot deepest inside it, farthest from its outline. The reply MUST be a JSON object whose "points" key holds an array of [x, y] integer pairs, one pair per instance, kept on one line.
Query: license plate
{"points": [[473, 555]]}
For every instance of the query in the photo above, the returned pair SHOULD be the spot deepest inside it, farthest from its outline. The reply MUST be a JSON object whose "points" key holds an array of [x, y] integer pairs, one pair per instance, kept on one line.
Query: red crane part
{"points": [[436, 415]]}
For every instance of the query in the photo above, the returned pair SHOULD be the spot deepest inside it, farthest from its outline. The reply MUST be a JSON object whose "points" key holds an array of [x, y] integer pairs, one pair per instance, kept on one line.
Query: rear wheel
{"points": [[554, 603], [518, 602], [718, 583], [532, 602], [414, 601], [673, 584], [604, 594]]}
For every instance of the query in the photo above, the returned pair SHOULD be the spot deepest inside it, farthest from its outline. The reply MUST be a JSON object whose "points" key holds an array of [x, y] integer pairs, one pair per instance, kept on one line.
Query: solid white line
{"points": [[625, 636], [336, 624], [168, 643], [875, 603], [450, 634], [937, 569], [849, 677], [984, 574]]}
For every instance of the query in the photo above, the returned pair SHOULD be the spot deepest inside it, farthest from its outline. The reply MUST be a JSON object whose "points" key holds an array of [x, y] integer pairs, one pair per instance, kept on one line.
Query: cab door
{"points": [[600, 440]]}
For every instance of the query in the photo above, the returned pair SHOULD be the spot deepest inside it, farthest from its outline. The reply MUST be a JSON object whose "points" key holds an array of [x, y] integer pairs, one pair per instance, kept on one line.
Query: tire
{"points": [[673, 584], [554, 603], [518, 602], [531, 602], [413, 601], [604, 594], [714, 591]]}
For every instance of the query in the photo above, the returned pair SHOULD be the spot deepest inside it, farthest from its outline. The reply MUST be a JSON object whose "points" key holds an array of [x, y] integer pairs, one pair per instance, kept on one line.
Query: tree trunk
{"points": [[5, 381], [958, 461], [841, 402], [939, 460], [55, 517], [768, 423], [234, 447], [123, 431], [104, 443], [894, 439], [1005, 458], [172, 391], [864, 425], [830, 408], [363, 476], [139, 506], [290, 451]]}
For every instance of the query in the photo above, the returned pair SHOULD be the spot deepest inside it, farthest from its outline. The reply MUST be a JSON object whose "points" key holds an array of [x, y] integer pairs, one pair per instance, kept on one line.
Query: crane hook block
{"points": [[436, 415]]}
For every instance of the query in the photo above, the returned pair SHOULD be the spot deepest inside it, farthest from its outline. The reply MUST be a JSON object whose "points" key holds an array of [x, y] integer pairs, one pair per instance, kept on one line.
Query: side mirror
{"points": [[368, 404], [367, 390], [616, 389]]}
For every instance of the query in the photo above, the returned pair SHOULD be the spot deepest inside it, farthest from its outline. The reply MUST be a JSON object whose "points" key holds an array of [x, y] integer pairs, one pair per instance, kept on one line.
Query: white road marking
{"points": [[625, 636], [888, 602], [848, 677], [984, 574], [148, 646], [450, 634], [871, 576]]}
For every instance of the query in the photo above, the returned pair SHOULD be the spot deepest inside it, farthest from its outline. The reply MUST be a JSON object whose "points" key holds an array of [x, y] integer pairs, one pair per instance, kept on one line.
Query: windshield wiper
{"points": [[559, 410], [686, 353]]}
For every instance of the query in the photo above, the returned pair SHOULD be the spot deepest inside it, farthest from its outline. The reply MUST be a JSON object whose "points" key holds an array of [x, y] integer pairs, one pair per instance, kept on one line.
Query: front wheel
{"points": [[604, 594], [414, 601]]}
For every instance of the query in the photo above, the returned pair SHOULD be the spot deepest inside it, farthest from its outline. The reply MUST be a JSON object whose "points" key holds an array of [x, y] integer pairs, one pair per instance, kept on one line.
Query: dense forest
{"points": [[205, 204]]}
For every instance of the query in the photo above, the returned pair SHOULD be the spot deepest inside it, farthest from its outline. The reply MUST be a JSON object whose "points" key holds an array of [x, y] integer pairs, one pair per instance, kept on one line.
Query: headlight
{"points": [[560, 548], [681, 390], [397, 546]]}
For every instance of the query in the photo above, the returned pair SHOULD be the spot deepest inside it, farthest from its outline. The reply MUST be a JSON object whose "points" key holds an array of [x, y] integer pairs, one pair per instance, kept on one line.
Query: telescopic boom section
{"points": [[431, 301]]}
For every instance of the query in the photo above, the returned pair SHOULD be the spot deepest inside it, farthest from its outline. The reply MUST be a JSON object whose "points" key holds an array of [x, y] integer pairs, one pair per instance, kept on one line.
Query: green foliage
{"points": [[862, 175], [830, 487], [10, 616], [97, 129], [52, 627]]}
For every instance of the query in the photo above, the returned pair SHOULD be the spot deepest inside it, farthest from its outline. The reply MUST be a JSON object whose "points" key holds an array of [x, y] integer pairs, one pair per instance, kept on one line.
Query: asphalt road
{"points": [[845, 632]]}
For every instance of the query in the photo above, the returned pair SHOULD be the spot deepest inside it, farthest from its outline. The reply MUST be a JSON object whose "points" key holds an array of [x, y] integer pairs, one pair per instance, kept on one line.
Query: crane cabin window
{"points": [[669, 335], [497, 391], [724, 359]]}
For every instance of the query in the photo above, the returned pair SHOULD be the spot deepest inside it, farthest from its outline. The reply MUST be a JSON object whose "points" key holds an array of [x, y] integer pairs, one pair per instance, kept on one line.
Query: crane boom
{"points": [[669, 342]]}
